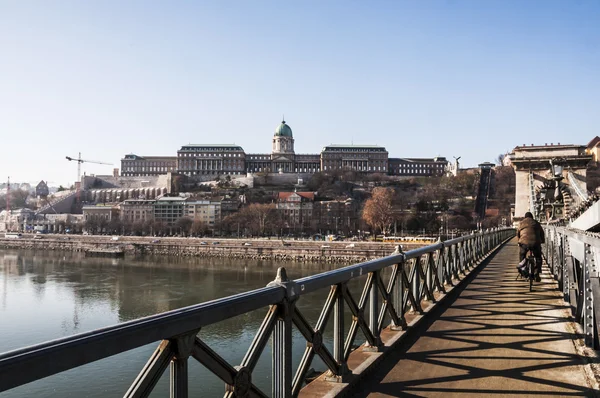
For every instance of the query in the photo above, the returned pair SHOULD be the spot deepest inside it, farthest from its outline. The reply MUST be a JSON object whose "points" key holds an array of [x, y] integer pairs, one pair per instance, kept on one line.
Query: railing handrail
{"points": [[334, 277], [118, 338], [115, 339], [578, 234]]}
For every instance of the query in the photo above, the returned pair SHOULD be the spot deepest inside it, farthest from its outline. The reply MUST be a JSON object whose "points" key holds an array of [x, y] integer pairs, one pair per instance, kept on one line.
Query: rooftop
{"points": [[525, 147], [420, 160], [306, 195], [212, 146], [353, 146], [283, 130]]}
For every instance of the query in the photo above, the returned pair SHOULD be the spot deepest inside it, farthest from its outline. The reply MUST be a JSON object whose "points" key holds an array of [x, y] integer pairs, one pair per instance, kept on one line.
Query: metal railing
{"points": [[574, 259], [414, 277]]}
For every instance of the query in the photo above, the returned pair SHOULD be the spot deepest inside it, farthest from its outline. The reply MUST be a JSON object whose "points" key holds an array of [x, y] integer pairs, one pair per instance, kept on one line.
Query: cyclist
{"points": [[531, 236]]}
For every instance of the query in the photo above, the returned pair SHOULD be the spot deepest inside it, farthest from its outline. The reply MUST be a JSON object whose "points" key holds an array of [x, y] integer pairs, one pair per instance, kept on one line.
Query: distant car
{"points": [[215, 243], [116, 237], [350, 245], [38, 237], [247, 244], [325, 247], [155, 240], [203, 243]]}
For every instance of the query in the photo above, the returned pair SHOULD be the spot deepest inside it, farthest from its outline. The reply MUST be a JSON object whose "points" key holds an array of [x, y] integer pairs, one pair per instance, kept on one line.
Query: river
{"points": [[47, 295]]}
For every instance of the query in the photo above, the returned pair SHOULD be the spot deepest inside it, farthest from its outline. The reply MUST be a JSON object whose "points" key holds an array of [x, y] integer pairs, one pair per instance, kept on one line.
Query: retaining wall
{"points": [[304, 251]]}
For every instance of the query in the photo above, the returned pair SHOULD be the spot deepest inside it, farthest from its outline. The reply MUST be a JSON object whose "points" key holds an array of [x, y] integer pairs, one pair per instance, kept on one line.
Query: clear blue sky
{"points": [[423, 78]]}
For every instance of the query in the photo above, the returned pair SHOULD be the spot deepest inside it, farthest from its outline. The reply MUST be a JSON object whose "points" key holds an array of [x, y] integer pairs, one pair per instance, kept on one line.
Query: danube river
{"points": [[47, 295]]}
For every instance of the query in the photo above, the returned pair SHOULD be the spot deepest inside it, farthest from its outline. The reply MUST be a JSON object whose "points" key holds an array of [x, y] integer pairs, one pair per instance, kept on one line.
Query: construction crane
{"points": [[78, 182], [79, 161]]}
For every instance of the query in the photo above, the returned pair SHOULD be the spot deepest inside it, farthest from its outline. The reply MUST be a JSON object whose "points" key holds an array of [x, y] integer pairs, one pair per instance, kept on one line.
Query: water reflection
{"points": [[46, 295]]}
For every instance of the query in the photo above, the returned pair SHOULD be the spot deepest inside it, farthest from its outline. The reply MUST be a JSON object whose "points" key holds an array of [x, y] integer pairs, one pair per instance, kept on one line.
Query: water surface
{"points": [[47, 295]]}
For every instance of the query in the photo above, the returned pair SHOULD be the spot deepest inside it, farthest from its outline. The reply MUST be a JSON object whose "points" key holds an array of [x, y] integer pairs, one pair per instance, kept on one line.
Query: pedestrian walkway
{"points": [[496, 339]]}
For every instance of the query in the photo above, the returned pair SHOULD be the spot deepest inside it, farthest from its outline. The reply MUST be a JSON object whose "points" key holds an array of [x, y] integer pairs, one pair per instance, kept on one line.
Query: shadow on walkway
{"points": [[496, 339]]}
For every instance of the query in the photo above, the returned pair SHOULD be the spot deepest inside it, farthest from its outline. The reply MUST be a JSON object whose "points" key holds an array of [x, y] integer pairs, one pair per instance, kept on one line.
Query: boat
{"points": [[110, 252]]}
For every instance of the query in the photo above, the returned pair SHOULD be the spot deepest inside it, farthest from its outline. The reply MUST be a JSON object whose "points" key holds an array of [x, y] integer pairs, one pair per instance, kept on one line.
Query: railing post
{"points": [[553, 249], [179, 364], [338, 335], [565, 271], [374, 311], [461, 257], [398, 295], [468, 253], [282, 337], [440, 266], [454, 254], [416, 285], [465, 255], [588, 297], [429, 273], [560, 262]]}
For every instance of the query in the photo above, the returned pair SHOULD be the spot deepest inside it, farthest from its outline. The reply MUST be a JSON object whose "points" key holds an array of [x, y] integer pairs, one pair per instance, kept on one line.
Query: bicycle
{"points": [[528, 272]]}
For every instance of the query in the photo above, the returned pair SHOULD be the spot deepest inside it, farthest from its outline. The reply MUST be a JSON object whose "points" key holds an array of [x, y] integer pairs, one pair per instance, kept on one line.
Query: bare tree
{"points": [[184, 224], [198, 228], [378, 211], [91, 225], [258, 218], [263, 216]]}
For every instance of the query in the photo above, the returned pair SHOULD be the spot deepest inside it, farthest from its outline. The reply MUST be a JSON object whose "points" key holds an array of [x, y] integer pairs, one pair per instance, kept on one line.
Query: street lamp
{"points": [[557, 169], [557, 201]]}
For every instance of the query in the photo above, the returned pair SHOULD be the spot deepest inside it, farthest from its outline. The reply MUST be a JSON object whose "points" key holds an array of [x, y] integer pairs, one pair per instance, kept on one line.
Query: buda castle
{"points": [[231, 159]]}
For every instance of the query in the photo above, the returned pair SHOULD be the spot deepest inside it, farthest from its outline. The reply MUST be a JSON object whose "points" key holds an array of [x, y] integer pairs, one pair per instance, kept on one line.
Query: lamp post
{"points": [[556, 169]]}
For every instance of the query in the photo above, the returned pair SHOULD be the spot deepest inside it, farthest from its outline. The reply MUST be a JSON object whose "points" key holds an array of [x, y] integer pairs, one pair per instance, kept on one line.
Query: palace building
{"points": [[135, 166], [230, 159], [220, 159]]}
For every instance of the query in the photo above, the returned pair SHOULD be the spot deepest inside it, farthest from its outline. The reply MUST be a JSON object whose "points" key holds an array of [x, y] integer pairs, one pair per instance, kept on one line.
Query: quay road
{"points": [[496, 339], [302, 250]]}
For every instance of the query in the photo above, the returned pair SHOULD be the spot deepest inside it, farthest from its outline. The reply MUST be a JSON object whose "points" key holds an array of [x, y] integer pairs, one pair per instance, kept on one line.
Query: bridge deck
{"points": [[496, 338]]}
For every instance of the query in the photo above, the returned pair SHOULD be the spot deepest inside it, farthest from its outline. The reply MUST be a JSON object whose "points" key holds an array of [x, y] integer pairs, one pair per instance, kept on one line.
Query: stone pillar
{"points": [[537, 159]]}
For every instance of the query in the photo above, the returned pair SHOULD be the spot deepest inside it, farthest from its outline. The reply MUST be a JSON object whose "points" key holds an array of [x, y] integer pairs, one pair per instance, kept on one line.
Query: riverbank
{"points": [[262, 249]]}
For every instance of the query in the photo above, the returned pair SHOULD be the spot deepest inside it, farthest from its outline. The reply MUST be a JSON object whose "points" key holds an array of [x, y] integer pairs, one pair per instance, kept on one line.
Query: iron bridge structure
{"points": [[573, 257], [398, 291]]}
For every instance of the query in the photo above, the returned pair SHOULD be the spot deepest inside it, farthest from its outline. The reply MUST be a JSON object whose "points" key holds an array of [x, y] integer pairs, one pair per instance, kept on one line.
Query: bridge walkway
{"points": [[497, 338]]}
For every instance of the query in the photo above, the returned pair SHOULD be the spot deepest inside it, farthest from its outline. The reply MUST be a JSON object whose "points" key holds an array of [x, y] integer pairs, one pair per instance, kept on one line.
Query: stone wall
{"points": [[303, 251], [280, 179], [111, 182]]}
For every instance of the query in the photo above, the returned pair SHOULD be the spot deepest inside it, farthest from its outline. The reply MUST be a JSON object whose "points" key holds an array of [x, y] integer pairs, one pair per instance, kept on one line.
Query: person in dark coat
{"points": [[531, 236]]}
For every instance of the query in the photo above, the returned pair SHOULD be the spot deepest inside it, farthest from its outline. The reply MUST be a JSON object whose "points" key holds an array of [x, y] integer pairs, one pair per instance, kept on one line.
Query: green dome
{"points": [[283, 130]]}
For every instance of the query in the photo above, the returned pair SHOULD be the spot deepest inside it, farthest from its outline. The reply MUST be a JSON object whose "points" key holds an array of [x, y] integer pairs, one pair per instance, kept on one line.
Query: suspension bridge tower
{"points": [[550, 179]]}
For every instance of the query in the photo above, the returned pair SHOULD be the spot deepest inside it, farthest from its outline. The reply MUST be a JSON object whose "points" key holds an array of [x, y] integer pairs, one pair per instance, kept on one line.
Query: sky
{"points": [[431, 78]]}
